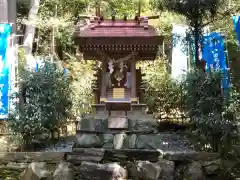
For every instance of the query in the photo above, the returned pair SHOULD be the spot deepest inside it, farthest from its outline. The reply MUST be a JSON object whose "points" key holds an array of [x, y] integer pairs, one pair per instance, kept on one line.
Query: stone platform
{"points": [[94, 132]]}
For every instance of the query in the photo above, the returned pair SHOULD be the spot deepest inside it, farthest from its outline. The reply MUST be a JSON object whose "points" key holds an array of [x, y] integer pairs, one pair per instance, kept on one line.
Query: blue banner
{"points": [[5, 31], [236, 23], [214, 55]]}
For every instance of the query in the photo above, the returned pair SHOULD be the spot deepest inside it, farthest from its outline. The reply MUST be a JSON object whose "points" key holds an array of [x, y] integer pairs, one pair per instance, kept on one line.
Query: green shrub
{"points": [[163, 95], [47, 102], [212, 116]]}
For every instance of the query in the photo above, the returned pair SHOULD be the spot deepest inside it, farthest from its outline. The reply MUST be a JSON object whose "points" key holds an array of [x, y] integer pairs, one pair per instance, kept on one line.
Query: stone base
{"points": [[137, 121], [129, 140], [140, 133]]}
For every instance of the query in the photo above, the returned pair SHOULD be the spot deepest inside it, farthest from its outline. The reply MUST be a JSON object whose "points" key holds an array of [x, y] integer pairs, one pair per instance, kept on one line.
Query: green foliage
{"points": [[213, 118], [203, 93], [193, 10], [82, 94], [198, 14], [163, 96], [47, 102]]}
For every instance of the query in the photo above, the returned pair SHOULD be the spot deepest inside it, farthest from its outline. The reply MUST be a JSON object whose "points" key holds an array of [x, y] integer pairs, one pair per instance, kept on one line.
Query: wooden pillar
{"points": [[133, 86], [103, 94]]}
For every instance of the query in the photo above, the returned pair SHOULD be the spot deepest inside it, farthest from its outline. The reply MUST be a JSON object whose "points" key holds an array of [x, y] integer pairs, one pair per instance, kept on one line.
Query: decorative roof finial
{"points": [[113, 15], [113, 18], [125, 17], [137, 18]]}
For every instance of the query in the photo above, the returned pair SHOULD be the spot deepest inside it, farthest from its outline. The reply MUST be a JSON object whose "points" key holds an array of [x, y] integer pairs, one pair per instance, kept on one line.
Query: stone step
{"points": [[121, 155], [122, 140], [97, 155], [80, 155], [115, 131]]}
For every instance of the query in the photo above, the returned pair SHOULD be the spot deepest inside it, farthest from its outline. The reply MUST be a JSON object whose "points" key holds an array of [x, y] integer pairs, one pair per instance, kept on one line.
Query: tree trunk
{"points": [[30, 28], [196, 43], [139, 8], [28, 41], [200, 64], [53, 54], [98, 8]]}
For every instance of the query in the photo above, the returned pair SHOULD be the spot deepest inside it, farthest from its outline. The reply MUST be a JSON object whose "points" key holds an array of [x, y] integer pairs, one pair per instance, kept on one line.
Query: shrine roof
{"points": [[116, 28], [118, 37]]}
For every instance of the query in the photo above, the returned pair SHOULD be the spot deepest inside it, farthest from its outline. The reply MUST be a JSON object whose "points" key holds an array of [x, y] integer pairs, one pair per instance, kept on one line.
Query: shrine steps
{"points": [[116, 131], [99, 155]]}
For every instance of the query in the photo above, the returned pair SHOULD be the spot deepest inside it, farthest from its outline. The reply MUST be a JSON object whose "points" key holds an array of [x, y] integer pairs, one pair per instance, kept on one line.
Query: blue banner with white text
{"points": [[214, 55], [5, 32]]}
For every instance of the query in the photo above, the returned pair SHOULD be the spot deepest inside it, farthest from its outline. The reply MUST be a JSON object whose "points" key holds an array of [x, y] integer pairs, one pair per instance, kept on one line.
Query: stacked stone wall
{"points": [[103, 164]]}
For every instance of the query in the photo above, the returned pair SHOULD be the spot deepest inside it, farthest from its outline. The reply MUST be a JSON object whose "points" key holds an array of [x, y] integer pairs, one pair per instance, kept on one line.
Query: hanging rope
{"points": [[132, 54], [111, 61]]}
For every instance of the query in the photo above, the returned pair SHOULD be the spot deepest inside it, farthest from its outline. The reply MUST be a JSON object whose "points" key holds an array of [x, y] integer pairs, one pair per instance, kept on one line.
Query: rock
{"points": [[194, 172], [88, 141], [144, 170], [212, 167], [107, 140], [64, 171], [118, 140], [168, 168], [131, 141], [180, 168], [35, 171], [141, 121], [14, 165], [111, 171], [132, 124], [87, 123], [236, 150], [101, 125], [146, 122], [37, 145]]}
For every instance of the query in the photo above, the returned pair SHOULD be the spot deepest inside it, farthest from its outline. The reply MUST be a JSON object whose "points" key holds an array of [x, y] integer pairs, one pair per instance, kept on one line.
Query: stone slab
{"points": [[27, 157], [85, 154], [116, 131], [116, 122], [189, 156], [92, 124], [118, 113]]}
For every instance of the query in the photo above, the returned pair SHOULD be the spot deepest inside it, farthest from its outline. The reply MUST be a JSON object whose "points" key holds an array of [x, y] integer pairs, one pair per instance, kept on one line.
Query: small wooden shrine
{"points": [[117, 44]]}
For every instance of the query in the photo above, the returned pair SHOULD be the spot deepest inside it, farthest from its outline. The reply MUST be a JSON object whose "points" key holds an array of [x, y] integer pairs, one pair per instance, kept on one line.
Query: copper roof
{"points": [[117, 28]]}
